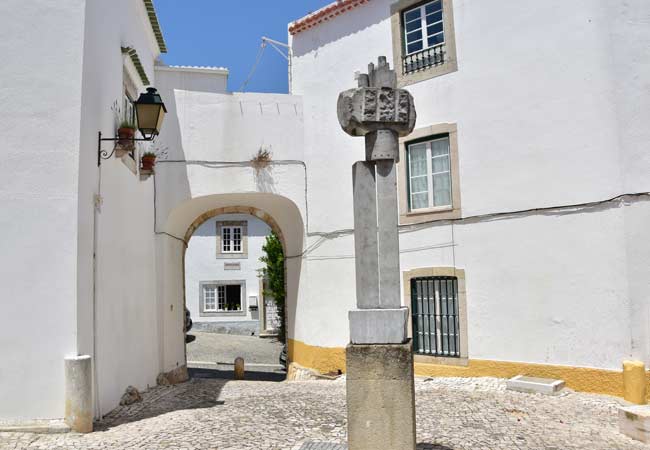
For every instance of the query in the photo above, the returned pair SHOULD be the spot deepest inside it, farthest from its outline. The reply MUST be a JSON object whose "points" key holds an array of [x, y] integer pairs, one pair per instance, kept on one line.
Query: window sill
{"points": [[436, 209], [441, 360], [222, 313], [232, 255], [406, 79], [429, 214]]}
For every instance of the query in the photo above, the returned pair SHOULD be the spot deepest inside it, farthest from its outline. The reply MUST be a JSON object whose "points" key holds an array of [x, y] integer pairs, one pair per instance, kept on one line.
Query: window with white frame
{"points": [[423, 27], [429, 174], [231, 239], [222, 298]]}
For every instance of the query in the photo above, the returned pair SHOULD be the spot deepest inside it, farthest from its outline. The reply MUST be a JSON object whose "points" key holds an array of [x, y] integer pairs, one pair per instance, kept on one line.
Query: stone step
{"points": [[634, 422], [35, 426], [534, 385]]}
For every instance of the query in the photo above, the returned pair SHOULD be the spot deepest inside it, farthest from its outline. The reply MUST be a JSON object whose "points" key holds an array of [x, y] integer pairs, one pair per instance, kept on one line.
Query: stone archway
{"points": [[280, 213]]}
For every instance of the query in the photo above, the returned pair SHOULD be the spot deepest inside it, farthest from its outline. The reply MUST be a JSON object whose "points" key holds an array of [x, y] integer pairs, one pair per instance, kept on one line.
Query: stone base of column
{"points": [[380, 397], [79, 394], [378, 326]]}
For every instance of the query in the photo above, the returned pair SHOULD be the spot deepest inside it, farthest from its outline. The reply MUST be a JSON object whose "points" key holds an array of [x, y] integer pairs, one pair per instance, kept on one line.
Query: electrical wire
{"points": [[260, 52]]}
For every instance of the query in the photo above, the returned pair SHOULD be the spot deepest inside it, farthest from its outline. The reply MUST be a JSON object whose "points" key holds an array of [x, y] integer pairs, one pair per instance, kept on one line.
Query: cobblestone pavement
{"points": [[224, 348], [452, 414]]}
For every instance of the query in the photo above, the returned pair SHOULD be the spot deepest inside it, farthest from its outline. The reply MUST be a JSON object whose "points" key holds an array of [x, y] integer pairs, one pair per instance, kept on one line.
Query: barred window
{"points": [[434, 307]]}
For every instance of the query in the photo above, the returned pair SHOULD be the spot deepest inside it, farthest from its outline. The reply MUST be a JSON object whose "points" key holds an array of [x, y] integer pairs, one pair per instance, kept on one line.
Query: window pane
{"points": [[434, 29], [415, 47], [437, 39], [419, 201], [414, 36], [417, 160], [440, 164], [440, 147], [411, 15], [419, 184], [435, 17], [415, 25], [434, 6], [441, 189]]}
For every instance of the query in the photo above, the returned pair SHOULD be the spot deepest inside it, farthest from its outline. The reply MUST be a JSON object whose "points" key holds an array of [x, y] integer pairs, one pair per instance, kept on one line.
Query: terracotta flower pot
{"points": [[125, 136], [148, 161]]}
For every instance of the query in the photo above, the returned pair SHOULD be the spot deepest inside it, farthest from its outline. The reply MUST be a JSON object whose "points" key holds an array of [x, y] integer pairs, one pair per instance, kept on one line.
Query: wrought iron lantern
{"points": [[150, 112]]}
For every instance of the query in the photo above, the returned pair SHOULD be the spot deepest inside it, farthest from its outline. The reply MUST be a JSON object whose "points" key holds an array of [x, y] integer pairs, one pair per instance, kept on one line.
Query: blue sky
{"points": [[227, 33]]}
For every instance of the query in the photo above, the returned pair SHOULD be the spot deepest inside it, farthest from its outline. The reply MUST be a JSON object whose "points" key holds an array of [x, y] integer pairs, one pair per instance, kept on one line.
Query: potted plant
{"points": [[148, 160], [126, 133]]}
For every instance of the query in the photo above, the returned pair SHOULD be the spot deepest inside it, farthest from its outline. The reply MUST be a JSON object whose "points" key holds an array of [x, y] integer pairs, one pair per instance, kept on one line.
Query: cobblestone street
{"points": [[452, 414]]}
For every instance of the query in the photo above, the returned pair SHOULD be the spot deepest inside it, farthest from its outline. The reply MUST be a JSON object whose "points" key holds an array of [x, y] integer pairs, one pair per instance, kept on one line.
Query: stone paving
{"points": [[452, 414], [224, 348]]}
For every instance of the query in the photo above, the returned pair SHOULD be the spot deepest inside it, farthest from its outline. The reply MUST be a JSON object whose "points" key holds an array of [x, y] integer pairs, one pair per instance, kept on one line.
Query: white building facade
{"points": [[223, 280], [523, 190]]}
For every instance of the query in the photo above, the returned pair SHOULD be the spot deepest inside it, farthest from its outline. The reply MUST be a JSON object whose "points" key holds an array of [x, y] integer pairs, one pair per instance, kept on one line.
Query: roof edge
{"points": [[194, 69], [155, 25], [325, 13], [135, 59]]}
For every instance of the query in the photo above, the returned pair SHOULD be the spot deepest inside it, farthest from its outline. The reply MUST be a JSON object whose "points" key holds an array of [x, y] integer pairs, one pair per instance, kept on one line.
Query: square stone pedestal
{"points": [[634, 422], [380, 397]]}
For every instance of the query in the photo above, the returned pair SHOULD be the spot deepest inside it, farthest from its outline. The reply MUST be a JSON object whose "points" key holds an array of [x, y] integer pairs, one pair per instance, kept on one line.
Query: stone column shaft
{"points": [[365, 235], [388, 237]]}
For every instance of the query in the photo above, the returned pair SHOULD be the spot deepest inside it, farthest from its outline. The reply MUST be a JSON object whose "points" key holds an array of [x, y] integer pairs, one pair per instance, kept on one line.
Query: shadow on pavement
{"points": [[276, 376]]}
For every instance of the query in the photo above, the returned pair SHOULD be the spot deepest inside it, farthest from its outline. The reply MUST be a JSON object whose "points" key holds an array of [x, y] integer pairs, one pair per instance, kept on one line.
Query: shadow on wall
{"points": [[353, 21]]}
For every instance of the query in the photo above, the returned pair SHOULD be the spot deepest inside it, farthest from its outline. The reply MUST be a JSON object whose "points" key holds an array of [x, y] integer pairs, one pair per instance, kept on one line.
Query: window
{"points": [[423, 39], [429, 175], [423, 27], [232, 239], [222, 297], [429, 169], [435, 312]]}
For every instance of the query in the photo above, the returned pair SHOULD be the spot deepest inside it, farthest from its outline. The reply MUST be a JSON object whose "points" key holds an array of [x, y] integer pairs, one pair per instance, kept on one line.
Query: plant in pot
{"points": [[148, 160], [126, 133]]}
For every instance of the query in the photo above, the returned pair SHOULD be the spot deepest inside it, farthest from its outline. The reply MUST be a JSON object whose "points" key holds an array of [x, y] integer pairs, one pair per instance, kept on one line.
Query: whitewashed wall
{"points": [[549, 113], [211, 140], [125, 298], [40, 110], [202, 265]]}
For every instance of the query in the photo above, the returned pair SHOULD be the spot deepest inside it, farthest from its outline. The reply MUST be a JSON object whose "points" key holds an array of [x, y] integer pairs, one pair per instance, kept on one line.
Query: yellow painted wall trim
{"points": [[584, 379], [322, 359]]}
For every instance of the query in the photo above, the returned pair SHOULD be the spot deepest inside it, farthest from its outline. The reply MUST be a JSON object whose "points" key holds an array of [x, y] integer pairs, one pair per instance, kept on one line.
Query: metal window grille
{"points": [[434, 306]]}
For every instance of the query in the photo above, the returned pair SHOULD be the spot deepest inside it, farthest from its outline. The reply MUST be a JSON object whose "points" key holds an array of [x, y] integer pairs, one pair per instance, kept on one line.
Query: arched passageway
{"points": [[282, 216]]}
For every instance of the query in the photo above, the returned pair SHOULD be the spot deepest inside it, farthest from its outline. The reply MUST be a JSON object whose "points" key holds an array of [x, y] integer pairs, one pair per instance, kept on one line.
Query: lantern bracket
{"points": [[104, 154]]}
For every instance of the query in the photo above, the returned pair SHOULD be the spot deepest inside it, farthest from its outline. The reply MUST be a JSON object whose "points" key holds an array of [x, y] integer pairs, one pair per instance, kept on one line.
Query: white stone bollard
{"points": [[79, 393]]}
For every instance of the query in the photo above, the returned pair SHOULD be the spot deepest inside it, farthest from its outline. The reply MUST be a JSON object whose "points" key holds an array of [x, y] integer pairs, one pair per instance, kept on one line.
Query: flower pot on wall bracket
{"points": [[148, 161], [126, 137]]}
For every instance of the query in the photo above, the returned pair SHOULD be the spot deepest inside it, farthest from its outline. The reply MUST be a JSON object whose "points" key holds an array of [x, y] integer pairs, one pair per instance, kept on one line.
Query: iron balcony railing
{"points": [[430, 57]]}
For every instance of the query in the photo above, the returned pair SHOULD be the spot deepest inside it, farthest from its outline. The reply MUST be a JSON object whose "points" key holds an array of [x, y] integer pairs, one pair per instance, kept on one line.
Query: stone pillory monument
{"points": [[379, 358]]}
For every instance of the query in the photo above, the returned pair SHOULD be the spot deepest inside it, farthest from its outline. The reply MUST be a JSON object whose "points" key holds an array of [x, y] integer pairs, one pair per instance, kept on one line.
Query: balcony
{"points": [[424, 59]]}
